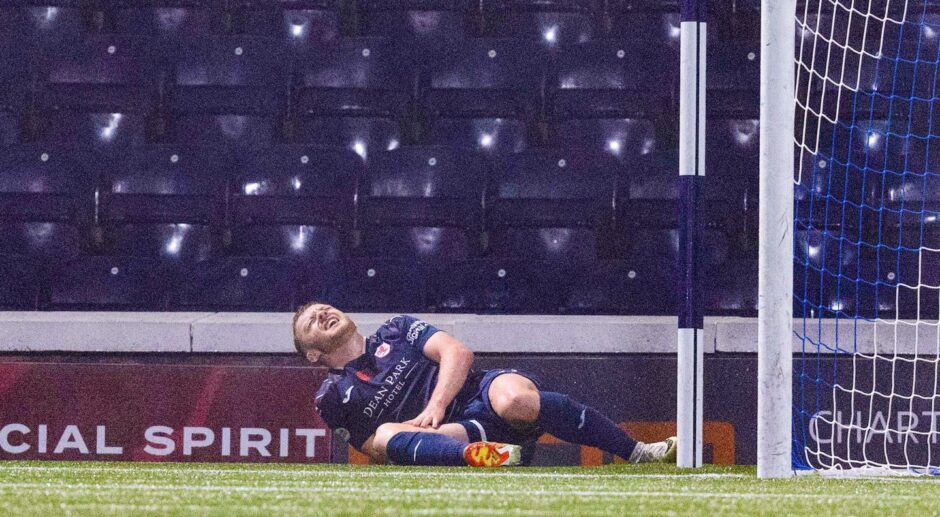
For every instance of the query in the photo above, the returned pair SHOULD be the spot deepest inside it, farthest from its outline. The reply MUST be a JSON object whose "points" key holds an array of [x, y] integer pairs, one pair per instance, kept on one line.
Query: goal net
{"points": [[867, 236]]}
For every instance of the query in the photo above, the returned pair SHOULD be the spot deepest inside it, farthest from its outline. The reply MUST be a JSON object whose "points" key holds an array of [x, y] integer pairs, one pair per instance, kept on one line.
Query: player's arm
{"points": [[455, 360]]}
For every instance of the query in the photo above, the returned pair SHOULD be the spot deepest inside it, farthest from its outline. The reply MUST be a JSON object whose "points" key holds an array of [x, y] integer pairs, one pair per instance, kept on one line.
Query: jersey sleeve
{"points": [[412, 331], [331, 410], [327, 404]]}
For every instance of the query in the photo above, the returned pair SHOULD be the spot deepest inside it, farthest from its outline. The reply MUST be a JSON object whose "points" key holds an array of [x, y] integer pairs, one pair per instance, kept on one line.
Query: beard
{"points": [[340, 335]]}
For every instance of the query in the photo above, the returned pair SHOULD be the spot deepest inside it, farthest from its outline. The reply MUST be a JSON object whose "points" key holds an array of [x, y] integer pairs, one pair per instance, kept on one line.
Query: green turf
{"points": [[44, 488]]}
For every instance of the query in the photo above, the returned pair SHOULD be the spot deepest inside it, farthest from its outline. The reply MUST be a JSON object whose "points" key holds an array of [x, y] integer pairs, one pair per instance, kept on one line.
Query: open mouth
{"points": [[332, 322]]}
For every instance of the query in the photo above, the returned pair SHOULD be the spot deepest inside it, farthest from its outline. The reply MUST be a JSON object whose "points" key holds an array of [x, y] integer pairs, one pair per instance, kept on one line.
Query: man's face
{"points": [[324, 328]]}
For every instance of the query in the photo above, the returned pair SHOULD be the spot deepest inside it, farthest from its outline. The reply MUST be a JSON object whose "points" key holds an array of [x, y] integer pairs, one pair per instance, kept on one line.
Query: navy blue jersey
{"points": [[391, 382]]}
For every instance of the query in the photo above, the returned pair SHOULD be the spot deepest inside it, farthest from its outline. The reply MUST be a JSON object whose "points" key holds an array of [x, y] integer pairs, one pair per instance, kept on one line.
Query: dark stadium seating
{"points": [[46, 200], [623, 138], [162, 201], [623, 287], [111, 283], [20, 283], [613, 79], [380, 285], [362, 135], [419, 27], [234, 74], [733, 79], [499, 156], [9, 128], [173, 23], [655, 26], [486, 77], [359, 76], [553, 29], [239, 284], [545, 194], [303, 26], [293, 200], [500, 285], [424, 200], [104, 73], [489, 136]]}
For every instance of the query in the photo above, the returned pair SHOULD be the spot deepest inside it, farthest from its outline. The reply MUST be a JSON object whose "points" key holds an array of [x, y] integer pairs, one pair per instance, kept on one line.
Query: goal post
{"points": [[849, 383], [775, 240]]}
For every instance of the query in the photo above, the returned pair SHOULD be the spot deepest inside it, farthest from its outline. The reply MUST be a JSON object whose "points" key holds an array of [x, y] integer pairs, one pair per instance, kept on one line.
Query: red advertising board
{"points": [[159, 412]]}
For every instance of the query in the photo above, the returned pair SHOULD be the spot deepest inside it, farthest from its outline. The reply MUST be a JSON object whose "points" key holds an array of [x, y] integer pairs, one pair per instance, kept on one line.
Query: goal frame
{"points": [[775, 241]]}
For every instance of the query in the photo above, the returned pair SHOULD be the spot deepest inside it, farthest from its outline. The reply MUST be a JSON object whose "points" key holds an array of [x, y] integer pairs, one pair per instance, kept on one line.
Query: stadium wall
{"points": [[181, 374]]}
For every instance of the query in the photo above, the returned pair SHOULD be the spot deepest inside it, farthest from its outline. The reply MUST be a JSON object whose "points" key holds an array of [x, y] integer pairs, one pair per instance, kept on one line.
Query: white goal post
{"points": [[775, 236]]}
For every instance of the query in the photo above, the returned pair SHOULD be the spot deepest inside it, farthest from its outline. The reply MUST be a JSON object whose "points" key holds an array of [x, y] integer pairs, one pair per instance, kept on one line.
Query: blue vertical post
{"points": [[691, 182]]}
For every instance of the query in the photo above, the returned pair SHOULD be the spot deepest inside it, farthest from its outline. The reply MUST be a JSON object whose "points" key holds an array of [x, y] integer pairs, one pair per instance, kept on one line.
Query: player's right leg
{"points": [[448, 445]]}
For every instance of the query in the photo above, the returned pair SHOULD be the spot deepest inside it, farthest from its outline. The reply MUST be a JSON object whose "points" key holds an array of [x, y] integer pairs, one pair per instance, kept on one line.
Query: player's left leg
{"points": [[448, 445], [519, 402]]}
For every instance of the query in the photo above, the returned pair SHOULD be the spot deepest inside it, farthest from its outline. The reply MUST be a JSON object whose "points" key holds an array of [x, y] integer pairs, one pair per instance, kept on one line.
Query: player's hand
{"points": [[431, 417]]}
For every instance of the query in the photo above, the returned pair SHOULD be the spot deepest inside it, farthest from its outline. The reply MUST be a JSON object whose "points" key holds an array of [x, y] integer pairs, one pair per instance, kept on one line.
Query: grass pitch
{"points": [[47, 488]]}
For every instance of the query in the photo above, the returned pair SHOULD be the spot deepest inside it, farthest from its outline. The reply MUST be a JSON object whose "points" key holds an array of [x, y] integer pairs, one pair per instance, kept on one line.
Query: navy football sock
{"points": [[576, 423], [430, 449]]}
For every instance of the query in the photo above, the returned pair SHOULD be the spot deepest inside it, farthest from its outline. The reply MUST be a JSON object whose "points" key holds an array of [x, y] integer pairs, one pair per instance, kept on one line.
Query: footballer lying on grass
{"points": [[407, 395]]}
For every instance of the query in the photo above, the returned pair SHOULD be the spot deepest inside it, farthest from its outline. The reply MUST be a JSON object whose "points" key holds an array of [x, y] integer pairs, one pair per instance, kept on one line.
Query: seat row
{"points": [[492, 77], [643, 285], [308, 24], [427, 202], [877, 283]]}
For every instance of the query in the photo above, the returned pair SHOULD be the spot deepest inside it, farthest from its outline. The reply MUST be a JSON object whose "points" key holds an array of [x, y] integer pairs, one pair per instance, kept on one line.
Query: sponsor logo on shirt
{"points": [[414, 330], [383, 350], [348, 395]]}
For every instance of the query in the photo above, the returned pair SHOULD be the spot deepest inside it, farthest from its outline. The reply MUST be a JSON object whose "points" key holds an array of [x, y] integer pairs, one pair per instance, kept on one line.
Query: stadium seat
{"points": [[162, 201], [733, 81], [104, 74], [554, 29], [552, 243], [20, 283], [236, 132], [294, 201], [499, 285], [9, 128], [424, 185], [547, 193], [381, 285], [488, 136], [111, 283], [613, 79], [659, 28], [239, 284], [174, 24], [230, 74], [486, 77], [649, 197], [623, 138], [46, 200], [302, 26], [99, 130], [420, 26], [731, 289], [358, 76], [362, 135], [423, 198], [623, 287], [425, 244], [53, 25]]}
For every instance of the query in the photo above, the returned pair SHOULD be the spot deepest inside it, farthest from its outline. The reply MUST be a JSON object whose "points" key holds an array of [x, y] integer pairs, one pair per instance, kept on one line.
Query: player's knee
{"points": [[516, 405], [383, 434]]}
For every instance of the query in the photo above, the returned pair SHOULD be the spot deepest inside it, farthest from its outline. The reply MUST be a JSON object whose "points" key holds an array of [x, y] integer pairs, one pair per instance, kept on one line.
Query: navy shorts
{"points": [[483, 424]]}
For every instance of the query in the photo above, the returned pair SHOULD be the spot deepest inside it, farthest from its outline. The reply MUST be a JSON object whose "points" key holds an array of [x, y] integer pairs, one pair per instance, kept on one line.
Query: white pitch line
{"points": [[364, 472], [347, 490]]}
